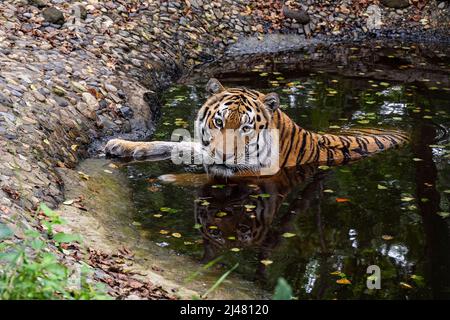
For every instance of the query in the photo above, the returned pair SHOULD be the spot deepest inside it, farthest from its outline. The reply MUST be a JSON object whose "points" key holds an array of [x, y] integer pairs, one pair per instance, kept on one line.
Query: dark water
{"points": [[311, 226]]}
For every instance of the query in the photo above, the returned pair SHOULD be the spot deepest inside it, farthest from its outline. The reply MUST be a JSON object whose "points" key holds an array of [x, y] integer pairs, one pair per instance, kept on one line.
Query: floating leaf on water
{"points": [[424, 200], [235, 249], [288, 235], [381, 187], [249, 206], [324, 167], [176, 235], [328, 191], [384, 84], [167, 209], [407, 199], [163, 231], [417, 159], [212, 227], [261, 195], [339, 200], [427, 117], [197, 226], [135, 223], [204, 203], [187, 243], [444, 214], [334, 127], [157, 215], [343, 281], [363, 121], [231, 238], [218, 186], [338, 273], [221, 214], [266, 262], [404, 285], [387, 237], [447, 191], [397, 118]]}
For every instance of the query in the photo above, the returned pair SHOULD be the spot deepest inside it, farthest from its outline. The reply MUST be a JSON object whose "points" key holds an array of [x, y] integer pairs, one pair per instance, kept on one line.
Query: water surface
{"points": [[317, 228]]}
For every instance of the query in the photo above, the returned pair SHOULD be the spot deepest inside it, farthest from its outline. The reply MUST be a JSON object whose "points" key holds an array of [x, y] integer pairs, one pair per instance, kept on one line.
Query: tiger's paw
{"points": [[120, 148]]}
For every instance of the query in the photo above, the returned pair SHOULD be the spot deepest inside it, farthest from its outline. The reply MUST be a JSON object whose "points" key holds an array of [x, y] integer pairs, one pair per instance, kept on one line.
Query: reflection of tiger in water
{"points": [[248, 113], [244, 212]]}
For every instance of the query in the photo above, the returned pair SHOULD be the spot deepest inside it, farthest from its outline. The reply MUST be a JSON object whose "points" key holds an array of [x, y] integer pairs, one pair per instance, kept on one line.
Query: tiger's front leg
{"points": [[152, 149]]}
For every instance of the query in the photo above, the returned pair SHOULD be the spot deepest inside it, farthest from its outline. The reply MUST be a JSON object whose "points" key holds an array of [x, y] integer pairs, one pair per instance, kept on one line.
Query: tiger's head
{"points": [[235, 129]]}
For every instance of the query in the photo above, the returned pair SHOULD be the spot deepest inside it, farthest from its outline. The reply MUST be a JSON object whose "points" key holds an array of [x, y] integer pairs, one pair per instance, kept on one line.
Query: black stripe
{"points": [[291, 140]]}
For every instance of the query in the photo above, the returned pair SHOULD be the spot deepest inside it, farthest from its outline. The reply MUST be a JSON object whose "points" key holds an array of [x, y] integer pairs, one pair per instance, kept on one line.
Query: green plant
{"points": [[30, 269], [283, 290]]}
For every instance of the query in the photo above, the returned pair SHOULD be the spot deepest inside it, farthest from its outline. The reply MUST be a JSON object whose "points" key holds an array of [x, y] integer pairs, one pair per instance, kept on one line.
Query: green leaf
{"points": [[220, 280], [62, 237], [283, 290], [5, 231], [288, 235], [444, 214]]}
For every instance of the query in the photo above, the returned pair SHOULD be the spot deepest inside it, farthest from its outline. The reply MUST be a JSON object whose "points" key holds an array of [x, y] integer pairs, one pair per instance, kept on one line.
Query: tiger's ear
{"points": [[214, 86], [272, 101]]}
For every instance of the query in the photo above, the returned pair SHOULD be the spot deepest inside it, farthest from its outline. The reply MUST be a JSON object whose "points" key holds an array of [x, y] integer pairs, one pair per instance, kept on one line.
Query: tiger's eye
{"points": [[246, 129], [219, 122]]}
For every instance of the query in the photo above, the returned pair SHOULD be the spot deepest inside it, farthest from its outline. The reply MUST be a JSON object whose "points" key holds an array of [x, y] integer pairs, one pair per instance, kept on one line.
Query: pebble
{"points": [[90, 100]]}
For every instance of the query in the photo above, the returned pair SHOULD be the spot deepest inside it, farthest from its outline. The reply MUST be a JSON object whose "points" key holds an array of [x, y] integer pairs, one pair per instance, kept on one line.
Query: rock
{"points": [[126, 112], [39, 96], [299, 15], [373, 13], [5, 100], [441, 5], [61, 101], [37, 3], [90, 100], [397, 4], [53, 16], [82, 11]]}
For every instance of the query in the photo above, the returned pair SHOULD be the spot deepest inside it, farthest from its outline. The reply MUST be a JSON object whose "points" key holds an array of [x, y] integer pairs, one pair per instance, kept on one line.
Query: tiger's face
{"points": [[234, 126]]}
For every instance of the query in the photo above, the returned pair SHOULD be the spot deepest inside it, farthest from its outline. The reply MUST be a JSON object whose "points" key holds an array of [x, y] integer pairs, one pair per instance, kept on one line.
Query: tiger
{"points": [[251, 114]]}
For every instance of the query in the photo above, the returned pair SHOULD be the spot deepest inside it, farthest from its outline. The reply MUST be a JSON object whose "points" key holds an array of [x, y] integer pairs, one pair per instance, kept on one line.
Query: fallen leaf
{"points": [[339, 200], [288, 235], [404, 285], [266, 262], [343, 281]]}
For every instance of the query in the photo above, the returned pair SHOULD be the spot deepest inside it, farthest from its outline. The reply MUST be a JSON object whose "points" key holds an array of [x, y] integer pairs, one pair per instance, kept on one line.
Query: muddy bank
{"points": [[72, 77]]}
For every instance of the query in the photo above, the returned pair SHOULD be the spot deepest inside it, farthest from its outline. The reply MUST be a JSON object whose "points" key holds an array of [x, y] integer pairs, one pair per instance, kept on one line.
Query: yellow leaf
{"points": [[387, 237], [163, 231], [176, 235], [157, 215], [288, 235], [235, 249], [343, 281], [404, 285], [266, 262]]}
